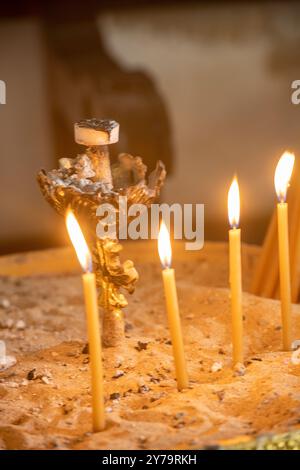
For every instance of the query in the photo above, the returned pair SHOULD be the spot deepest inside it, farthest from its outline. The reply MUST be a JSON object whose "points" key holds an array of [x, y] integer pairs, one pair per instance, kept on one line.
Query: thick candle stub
{"points": [[96, 132]]}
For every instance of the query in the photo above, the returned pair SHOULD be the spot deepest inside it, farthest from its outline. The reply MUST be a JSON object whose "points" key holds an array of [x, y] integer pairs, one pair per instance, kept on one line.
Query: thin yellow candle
{"points": [[92, 316], [235, 272], [168, 274], [282, 178]]}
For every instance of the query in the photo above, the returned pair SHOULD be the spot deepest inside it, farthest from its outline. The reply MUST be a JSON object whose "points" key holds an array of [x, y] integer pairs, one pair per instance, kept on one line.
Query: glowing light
{"points": [[79, 243], [164, 246], [283, 173], [234, 204]]}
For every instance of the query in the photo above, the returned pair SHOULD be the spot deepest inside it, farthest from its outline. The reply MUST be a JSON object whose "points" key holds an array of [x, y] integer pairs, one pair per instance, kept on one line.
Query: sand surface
{"points": [[45, 398]]}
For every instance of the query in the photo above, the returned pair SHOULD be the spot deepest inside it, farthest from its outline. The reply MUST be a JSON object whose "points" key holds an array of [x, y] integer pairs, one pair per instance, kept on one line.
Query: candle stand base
{"points": [[113, 327]]}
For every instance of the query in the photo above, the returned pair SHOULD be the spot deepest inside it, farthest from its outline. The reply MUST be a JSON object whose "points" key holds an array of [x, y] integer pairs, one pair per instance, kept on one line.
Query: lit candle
{"points": [[168, 274], [282, 178], [235, 271], [93, 329]]}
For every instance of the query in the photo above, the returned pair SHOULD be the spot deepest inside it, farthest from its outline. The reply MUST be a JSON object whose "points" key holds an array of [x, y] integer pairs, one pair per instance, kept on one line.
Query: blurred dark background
{"points": [[203, 86]]}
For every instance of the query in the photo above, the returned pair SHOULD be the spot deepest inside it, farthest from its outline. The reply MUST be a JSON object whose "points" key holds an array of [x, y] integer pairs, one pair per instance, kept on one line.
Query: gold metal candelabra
{"points": [[84, 183]]}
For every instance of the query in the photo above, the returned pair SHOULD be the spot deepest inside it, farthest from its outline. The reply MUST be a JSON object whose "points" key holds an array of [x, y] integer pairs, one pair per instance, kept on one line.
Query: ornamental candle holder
{"points": [[84, 183]]}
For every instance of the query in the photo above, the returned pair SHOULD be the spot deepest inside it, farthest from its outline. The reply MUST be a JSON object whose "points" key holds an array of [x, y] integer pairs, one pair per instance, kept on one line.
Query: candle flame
{"points": [[164, 246], [234, 203], [78, 241], [283, 173]]}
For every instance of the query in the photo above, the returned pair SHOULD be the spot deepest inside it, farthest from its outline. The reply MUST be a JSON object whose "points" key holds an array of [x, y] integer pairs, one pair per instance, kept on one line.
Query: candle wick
{"points": [[89, 264], [281, 199]]}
